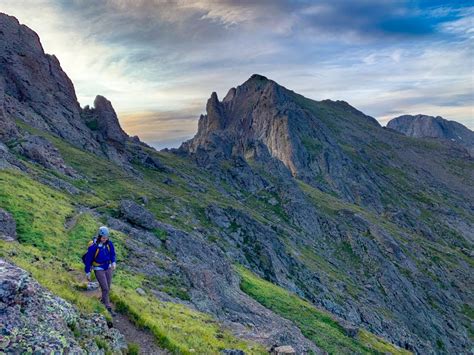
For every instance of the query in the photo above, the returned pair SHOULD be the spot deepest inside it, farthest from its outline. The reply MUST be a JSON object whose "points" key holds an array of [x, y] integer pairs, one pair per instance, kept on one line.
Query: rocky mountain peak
{"points": [[230, 95], [215, 113], [248, 115], [424, 126], [258, 77], [263, 120], [12, 31]]}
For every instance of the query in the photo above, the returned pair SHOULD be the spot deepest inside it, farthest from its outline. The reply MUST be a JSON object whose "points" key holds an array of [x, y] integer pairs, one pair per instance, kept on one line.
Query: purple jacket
{"points": [[105, 256]]}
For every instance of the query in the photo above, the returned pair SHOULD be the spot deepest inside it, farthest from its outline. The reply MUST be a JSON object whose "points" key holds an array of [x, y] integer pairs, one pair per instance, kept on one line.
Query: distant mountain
{"points": [[284, 222], [423, 126], [341, 179]]}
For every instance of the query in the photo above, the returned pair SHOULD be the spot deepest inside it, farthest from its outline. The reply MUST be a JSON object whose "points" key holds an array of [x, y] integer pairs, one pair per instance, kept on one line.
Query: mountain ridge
{"points": [[314, 196], [423, 126]]}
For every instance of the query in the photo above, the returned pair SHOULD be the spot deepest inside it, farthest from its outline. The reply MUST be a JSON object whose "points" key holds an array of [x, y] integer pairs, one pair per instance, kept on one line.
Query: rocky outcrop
{"points": [[34, 320], [423, 126], [137, 215], [215, 289], [103, 119], [206, 272], [7, 226], [41, 151], [35, 89], [8, 160]]}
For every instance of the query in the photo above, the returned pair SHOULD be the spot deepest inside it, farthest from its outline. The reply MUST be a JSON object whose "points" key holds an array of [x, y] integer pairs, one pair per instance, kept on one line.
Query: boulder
{"points": [[137, 215], [285, 349], [349, 329], [36, 321], [218, 216]]}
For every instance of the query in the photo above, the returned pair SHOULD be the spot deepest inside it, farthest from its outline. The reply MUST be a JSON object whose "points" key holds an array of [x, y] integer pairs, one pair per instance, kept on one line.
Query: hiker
{"points": [[101, 258]]}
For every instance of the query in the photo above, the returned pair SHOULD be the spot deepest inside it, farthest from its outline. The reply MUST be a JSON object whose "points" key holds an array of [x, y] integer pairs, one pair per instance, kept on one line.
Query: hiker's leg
{"points": [[108, 274], [104, 286]]}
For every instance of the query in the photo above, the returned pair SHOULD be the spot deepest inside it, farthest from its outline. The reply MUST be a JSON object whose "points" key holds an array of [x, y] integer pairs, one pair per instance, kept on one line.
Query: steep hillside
{"points": [[374, 226], [423, 126], [284, 221]]}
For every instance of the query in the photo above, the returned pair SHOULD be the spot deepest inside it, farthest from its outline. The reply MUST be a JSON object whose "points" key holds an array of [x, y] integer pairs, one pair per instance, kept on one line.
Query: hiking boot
{"points": [[111, 311]]}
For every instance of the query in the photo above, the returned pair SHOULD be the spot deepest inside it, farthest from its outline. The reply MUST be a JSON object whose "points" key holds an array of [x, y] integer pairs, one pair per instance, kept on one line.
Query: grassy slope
{"points": [[41, 213], [52, 254], [317, 325]]}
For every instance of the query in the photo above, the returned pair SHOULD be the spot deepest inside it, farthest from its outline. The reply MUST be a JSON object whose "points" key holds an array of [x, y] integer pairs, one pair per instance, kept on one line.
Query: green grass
{"points": [[178, 328], [133, 349], [38, 210], [52, 253], [315, 324]]}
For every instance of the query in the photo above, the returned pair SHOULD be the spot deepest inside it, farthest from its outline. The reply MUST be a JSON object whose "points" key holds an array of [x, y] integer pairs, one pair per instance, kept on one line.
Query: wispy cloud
{"points": [[158, 60], [160, 127]]}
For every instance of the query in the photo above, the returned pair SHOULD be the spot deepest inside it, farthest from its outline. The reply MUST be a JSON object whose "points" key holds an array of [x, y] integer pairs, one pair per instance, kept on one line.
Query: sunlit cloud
{"points": [[160, 128], [158, 61]]}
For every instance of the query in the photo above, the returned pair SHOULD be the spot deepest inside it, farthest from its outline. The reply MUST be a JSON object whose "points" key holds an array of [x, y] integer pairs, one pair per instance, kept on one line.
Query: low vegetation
{"points": [[51, 250], [317, 325]]}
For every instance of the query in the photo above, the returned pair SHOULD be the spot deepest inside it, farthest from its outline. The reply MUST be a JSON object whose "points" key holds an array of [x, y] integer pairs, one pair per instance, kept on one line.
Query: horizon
{"points": [[384, 59]]}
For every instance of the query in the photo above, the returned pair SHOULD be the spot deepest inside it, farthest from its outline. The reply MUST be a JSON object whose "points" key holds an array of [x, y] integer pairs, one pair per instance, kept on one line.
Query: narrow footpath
{"points": [[132, 334]]}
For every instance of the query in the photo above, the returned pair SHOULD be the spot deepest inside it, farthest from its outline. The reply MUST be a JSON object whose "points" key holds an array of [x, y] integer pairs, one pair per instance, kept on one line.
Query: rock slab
{"points": [[33, 320]]}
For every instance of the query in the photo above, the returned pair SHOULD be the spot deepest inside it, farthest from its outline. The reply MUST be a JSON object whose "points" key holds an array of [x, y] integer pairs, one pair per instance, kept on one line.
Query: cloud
{"points": [[158, 61], [160, 128]]}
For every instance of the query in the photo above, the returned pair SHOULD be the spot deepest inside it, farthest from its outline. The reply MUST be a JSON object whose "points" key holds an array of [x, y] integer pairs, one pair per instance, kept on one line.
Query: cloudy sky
{"points": [[158, 61]]}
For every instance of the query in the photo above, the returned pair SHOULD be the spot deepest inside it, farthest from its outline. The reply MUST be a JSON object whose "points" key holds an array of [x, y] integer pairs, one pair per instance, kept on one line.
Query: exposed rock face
{"points": [[137, 214], [41, 151], [35, 90], [34, 320], [376, 191], [214, 288], [263, 121], [423, 126], [7, 226], [8, 160], [102, 118], [34, 87]]}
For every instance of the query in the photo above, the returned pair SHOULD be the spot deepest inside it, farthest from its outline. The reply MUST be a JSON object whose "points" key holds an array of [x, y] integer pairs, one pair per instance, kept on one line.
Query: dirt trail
{"points": [[133, 334], [142, 337]]}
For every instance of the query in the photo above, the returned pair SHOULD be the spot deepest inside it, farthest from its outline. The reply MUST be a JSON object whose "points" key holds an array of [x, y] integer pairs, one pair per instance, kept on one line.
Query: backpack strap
{"points": [[94, 263]]}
